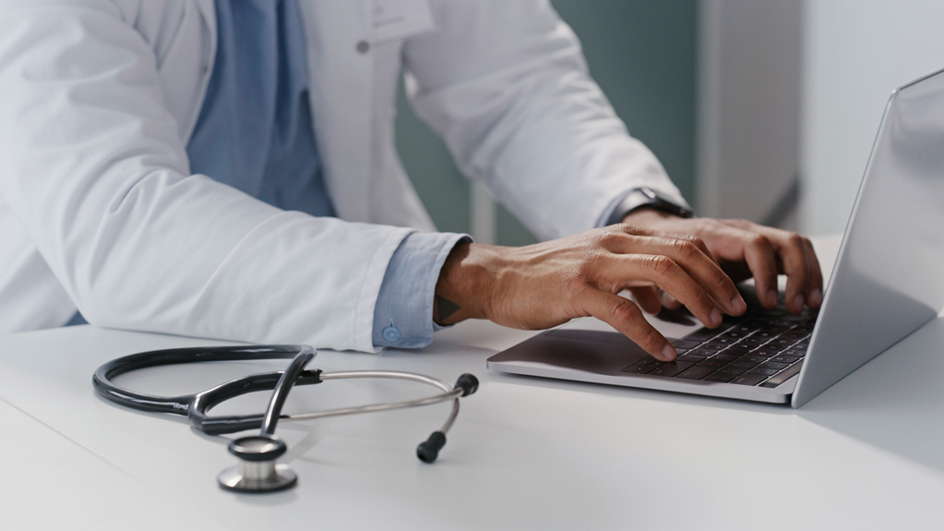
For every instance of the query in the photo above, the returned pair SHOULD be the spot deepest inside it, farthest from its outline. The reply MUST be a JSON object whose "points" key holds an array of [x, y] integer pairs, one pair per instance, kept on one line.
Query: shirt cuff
{"points": [[403, 315]]}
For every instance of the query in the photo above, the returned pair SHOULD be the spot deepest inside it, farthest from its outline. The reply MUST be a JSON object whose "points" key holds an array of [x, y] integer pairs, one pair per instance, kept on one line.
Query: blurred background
{"points": [[758, 109]]}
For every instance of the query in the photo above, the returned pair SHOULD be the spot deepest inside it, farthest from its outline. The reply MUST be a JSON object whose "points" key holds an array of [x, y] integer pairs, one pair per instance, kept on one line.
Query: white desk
{"points": [[524, 454]]}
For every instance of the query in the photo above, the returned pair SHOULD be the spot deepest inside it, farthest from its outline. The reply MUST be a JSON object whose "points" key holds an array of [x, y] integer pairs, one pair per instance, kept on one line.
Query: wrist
{"points": [[463, 290], [648, 218]]}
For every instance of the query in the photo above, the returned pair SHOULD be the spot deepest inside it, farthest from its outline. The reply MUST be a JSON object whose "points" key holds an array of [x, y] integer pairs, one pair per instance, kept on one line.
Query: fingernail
{"points": [[772, 296], [668, 352], [715, 317], [798, 302], [738, 304], [816, 297]]}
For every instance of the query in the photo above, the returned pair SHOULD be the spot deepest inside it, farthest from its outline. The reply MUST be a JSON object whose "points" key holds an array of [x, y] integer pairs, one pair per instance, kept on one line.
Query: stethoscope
{"points": [[257, 470]]}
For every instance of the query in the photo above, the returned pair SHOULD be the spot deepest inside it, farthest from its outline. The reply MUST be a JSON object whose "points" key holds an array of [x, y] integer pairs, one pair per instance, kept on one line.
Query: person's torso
{"points": [[353, 80]]}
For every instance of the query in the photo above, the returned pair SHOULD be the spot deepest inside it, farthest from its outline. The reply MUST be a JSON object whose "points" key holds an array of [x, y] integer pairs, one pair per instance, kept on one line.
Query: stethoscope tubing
{"points": [[195, 406], [449, 393]]}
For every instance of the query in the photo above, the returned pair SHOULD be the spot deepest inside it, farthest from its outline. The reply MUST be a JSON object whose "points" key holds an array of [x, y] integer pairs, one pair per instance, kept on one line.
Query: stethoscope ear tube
{"points": [[176, 405], [428, 450], [283, 387], [222, 425]]}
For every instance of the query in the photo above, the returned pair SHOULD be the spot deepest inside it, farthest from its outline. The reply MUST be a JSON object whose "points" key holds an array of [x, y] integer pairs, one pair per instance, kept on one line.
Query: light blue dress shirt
{"points": [[255, 133]]}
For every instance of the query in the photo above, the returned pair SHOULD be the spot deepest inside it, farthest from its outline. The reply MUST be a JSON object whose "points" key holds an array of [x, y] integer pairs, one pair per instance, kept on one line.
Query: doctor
{"points": [[227, 169]]}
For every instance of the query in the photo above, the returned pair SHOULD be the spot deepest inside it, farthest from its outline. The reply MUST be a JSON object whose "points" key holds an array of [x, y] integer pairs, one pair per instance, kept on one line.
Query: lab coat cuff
{"points": [[403, 315]]}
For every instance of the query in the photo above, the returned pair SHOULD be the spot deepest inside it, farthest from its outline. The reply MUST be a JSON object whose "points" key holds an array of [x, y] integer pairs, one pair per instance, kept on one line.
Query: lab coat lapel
{"points": [[340, 66], [208, 10]]}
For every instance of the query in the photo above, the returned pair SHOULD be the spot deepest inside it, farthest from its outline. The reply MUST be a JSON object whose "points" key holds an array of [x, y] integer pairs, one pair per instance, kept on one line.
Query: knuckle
{"points": [[759, 241], [589, 266], [625, 311], [808, 247], [795, 240], [574, 281], [594, 259], [611, 238], [685, 248], [626, 228], [659, 264], [708, 227]]}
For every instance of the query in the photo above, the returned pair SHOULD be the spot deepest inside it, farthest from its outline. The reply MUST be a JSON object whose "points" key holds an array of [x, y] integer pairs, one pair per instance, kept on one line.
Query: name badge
{"points": [[398, 19]]}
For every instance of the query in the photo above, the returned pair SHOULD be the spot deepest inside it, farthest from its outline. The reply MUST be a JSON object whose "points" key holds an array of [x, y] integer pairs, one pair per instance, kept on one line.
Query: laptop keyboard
{"points": [[764, 349]]}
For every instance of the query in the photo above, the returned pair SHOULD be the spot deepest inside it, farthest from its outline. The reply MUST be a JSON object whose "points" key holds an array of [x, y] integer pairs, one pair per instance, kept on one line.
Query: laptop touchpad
{"points": [[583, 350]]}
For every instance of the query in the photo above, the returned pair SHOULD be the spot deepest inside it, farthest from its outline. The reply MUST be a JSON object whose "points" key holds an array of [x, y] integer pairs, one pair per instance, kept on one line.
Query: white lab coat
{"points": [[98, 208]]}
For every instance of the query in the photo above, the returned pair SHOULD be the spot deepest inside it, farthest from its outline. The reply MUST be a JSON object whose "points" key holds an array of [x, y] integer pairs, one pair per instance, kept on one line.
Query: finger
{"points": [[623, 315], [693, 256], [647, 297], [620, 271], [669, 302], [759, 255], [792, 250], [755, 249], [814, 296]]}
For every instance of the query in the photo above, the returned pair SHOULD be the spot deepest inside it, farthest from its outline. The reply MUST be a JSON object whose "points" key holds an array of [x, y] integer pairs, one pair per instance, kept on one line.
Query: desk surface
{"points": [[525, 453]]}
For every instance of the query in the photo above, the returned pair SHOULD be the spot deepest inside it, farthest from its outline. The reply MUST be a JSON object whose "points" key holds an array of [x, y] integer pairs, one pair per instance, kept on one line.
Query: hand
{"points": [[547, 284], [745, 249]]}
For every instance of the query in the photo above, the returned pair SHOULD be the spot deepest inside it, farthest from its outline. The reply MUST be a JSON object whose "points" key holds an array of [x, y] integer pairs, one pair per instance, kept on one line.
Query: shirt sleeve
{"points": [[403, 315]]}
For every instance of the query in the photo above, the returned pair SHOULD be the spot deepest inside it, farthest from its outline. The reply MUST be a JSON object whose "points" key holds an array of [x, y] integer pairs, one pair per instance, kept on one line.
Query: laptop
{"points": [[887, 282]]}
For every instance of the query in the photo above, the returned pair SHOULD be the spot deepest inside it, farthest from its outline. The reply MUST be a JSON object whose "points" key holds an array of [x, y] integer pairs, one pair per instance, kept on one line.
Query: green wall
{"points": [[641, 52]]}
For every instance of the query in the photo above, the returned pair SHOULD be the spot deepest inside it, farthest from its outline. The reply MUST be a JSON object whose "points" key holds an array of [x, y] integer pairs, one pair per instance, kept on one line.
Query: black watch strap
{"points": [[645, 197]]}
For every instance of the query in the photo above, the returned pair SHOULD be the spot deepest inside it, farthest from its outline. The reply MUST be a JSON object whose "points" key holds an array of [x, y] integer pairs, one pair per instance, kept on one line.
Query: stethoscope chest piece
{"points": [[257, 470]]}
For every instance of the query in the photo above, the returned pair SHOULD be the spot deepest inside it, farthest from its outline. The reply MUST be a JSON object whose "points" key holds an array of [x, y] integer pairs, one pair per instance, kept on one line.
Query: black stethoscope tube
{"points": [[196, 405], [282, 388]]}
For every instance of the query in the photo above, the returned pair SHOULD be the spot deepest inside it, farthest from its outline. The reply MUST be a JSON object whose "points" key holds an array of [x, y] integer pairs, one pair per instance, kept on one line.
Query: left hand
{"points": [[742, 249]]}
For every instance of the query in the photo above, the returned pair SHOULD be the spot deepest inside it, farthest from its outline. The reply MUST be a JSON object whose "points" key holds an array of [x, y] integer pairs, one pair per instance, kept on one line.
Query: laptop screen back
{"points": [[889, 278]]}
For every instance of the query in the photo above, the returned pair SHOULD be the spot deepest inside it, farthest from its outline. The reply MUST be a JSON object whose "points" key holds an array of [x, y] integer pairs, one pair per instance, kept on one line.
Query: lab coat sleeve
{"points": [[92, 165], [506, 85]]}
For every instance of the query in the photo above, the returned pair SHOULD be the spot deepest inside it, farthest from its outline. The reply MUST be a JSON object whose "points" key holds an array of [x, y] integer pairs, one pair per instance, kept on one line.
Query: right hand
{"points": [[547, 284]]}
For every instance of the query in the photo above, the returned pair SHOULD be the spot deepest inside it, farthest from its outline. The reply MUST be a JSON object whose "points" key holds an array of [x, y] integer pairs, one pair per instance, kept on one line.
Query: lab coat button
{"points": [[391, 333], [363, 47]]}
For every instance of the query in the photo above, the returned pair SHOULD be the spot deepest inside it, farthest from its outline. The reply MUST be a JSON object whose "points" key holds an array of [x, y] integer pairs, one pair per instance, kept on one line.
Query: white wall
{"points": [[855, 53], [748, 105]]}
